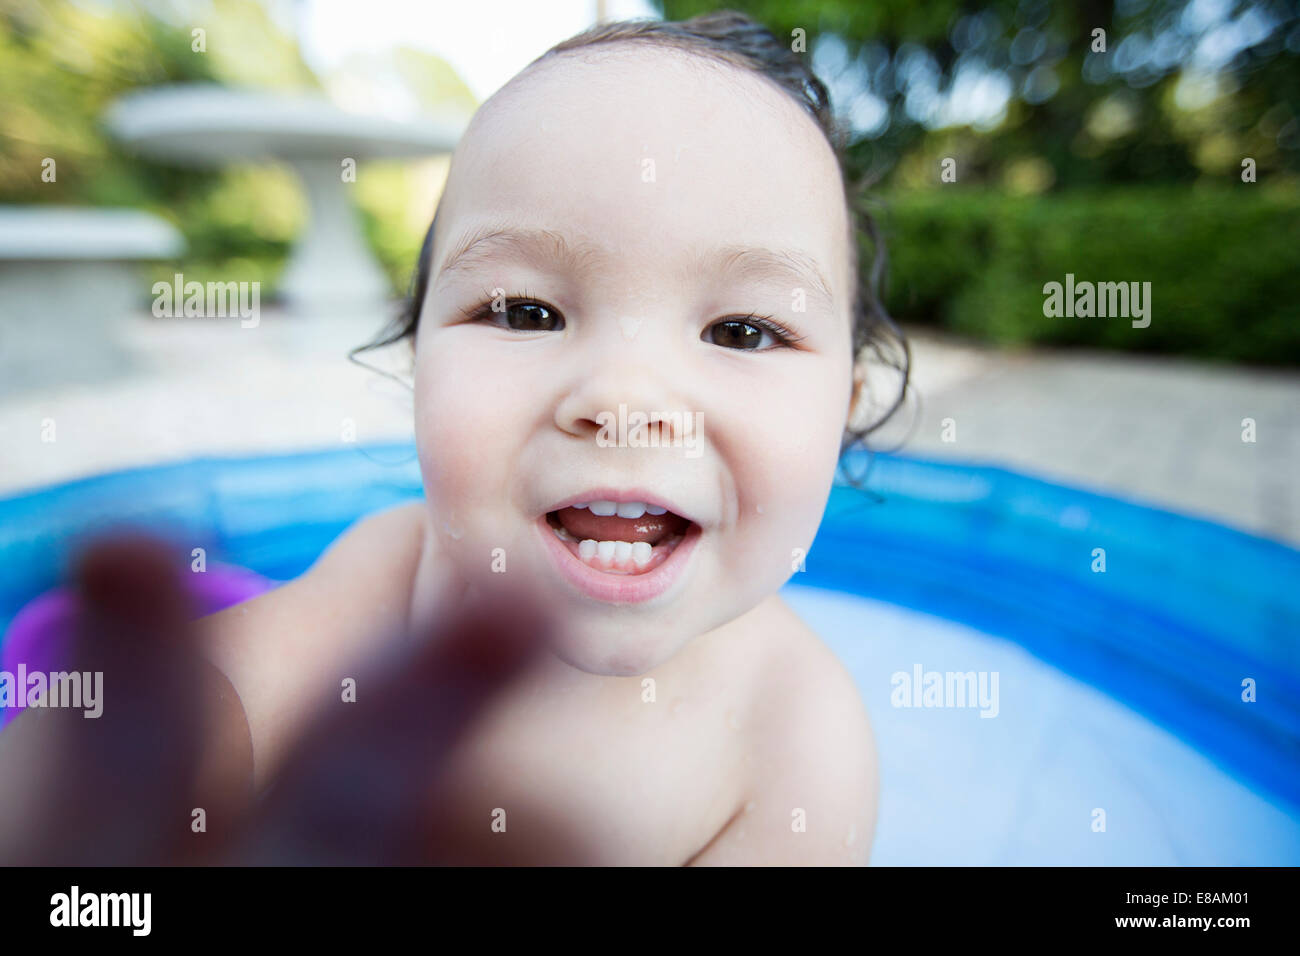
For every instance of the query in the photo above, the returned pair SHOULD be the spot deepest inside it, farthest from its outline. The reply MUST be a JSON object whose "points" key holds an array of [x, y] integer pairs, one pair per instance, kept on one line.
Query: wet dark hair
{"points": [[731, 37]]}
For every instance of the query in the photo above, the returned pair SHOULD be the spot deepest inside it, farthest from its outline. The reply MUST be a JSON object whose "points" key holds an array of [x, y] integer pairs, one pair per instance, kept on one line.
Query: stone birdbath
{"points": [[330, 268]]}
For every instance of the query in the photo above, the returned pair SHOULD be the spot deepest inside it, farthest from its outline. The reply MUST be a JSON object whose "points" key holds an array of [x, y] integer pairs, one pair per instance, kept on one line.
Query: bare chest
{"points": [[634, 775]]}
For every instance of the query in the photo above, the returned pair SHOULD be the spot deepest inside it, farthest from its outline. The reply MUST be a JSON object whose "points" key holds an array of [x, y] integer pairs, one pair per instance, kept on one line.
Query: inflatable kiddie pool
{"points": [[1053, 676]]}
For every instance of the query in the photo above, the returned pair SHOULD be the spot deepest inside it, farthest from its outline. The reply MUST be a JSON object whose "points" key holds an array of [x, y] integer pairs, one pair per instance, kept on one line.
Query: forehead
{"points": [[652, 150]]}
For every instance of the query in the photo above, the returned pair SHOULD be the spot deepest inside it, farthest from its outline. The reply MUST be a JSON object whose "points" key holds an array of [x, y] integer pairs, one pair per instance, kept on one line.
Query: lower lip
{"points": [[618, 588]]}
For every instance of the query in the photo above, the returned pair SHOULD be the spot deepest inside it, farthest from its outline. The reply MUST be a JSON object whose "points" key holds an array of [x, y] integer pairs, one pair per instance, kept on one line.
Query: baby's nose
{"points": [[630, 398]]}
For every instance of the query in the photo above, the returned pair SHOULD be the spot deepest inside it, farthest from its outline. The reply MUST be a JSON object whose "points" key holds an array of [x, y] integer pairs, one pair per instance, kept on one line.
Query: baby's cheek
{"points": [[777, 530], [788, 476], [458, 435]]}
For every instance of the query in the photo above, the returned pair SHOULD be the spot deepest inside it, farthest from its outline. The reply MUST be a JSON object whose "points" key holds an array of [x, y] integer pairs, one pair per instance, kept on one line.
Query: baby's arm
{"points": [[286, 653], [814, 790]]}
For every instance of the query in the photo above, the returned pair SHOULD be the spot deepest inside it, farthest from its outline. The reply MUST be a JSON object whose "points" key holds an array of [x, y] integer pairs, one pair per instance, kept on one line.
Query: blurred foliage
{"points": [[397, 202], [1093, 118], [63, 62], [1222, 264]]}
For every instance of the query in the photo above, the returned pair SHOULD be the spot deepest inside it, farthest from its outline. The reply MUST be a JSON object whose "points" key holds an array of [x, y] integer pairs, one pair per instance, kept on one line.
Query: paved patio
{"points": [[1163, 431]]}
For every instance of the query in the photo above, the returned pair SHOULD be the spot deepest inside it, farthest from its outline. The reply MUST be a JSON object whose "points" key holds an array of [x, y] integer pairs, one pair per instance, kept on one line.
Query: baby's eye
{"points": [[525, 317], [750, 334]]}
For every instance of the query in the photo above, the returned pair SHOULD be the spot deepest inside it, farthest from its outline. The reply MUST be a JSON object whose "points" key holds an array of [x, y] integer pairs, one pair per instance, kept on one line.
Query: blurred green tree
{"points": [[62, 63], [916, 75]]}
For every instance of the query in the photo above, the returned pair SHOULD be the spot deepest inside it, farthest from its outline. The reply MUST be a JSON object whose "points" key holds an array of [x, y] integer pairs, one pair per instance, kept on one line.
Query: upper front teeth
{"points": [[624, 509]]}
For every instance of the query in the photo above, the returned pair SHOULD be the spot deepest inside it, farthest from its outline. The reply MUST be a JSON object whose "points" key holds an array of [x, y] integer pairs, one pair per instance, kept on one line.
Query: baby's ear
{"points": [[859, 377]]}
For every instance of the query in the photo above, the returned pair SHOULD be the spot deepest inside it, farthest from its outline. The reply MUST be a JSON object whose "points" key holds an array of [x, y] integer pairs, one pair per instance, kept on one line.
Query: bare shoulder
{"points": [[367, 569], [814, 788], [285, 649], [374, 563]]}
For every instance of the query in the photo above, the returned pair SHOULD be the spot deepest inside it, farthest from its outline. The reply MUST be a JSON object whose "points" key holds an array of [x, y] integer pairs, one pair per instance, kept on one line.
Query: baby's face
{"points": [[617, 200]]}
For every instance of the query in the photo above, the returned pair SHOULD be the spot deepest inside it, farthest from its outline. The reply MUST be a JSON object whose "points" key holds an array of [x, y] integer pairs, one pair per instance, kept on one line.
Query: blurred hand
{"points": [[361, 787]]}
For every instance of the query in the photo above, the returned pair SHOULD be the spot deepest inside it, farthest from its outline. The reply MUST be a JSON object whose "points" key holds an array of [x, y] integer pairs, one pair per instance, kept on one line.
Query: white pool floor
{"points": [[1024, 787]]}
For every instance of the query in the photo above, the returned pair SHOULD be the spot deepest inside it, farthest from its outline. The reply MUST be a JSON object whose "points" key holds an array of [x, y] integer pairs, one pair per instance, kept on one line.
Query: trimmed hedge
{"points": [[1224, 267]]}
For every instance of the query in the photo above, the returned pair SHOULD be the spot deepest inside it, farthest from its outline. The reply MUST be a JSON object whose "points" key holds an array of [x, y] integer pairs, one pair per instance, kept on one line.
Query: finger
{"points": [[123, 770], [357, 789], [131, 583]]}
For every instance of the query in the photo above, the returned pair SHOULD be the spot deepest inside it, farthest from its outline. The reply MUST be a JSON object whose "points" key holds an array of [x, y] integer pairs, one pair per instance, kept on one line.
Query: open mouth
{"points": [[619, 538]]}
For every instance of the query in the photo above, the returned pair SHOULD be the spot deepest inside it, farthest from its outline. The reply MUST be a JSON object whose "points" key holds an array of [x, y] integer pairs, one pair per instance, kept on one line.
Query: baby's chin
{"points": [[626, 651], [603, 639], [630, 640]]}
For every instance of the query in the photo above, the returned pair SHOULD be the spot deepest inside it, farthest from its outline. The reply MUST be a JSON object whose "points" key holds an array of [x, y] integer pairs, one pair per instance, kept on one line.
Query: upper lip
{"points": [[619, 496]]}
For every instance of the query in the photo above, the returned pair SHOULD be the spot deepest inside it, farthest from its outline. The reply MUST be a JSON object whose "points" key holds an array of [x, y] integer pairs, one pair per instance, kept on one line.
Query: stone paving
{"points": [[192, 387], [1162, 431]]}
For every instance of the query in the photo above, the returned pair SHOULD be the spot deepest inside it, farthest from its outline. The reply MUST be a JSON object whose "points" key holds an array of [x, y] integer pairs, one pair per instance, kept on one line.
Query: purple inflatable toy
{"points": [[37, 636]]}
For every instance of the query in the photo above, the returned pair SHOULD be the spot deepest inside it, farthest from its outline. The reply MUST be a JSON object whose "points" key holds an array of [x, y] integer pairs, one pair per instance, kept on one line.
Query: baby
{"points": [[636, 332]]}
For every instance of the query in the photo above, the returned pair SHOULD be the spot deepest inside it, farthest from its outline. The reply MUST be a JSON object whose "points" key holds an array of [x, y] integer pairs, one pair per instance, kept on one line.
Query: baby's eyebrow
{"points": [[547, 249], [798, 269], [542, 248]]}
